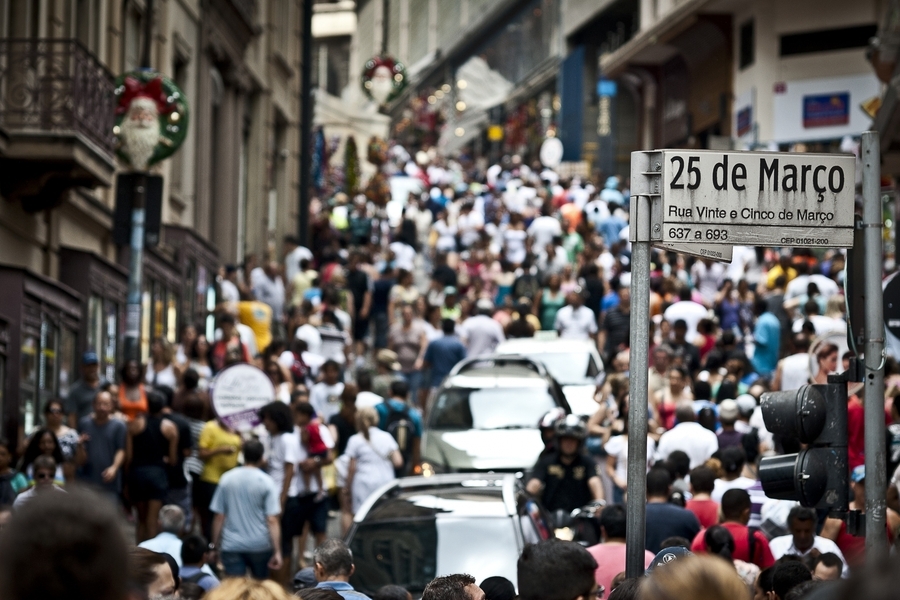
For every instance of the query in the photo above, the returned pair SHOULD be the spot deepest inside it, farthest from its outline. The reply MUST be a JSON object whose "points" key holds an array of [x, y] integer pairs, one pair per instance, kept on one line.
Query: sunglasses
{"points": [[40, 476], [55, 411]]}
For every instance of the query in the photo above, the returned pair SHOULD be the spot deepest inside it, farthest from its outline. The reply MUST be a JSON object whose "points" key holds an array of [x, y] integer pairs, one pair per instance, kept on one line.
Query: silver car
{"points": [[575, 364], [485, 416], [418, 528]]}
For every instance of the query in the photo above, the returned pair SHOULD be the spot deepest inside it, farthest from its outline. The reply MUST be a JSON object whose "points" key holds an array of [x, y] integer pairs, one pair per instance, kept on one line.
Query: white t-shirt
{"points": [[691, 438], [292, 261], [721, 486], [514, 240], [285, 449], [542, 230], [691, 312], [618, 446], [404, 256], [366, 399], [446, 241], [326, 399], [469, 227], [229, 291], [311, 336], [574, 324]]}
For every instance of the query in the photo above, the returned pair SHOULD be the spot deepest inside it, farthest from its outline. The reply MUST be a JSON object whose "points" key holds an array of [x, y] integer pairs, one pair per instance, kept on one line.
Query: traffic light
{"points": [[816, 415]]}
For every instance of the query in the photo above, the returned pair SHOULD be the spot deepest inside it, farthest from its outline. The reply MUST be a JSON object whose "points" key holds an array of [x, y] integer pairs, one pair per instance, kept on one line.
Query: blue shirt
{"points": [[767, 339], [414, 415], [246, 496], [207, 582], [443, 354], [344, 589]]}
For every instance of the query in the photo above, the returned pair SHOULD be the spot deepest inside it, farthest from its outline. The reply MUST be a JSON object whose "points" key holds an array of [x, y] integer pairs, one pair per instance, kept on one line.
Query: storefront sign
{"points": [[744, 121], [826, 110], [238, 392], [758, 199]]}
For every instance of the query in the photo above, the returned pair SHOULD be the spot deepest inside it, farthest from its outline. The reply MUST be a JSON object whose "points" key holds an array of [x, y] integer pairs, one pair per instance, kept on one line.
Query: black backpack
{"points": [[400, 426]]}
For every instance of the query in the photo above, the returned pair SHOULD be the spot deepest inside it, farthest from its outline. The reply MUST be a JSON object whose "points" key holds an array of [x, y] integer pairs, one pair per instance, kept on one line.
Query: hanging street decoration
{"points": [[151, 118], [383, 78]]}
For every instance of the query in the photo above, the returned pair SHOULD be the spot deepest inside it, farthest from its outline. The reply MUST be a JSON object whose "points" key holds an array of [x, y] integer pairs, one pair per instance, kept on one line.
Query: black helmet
{"points": [[553, 416], [571, 426]]}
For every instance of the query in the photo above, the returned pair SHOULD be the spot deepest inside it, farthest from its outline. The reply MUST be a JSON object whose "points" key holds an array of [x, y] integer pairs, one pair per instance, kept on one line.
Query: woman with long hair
{"points": [[161, 369], [374, 455], [55, 421], [199, 360], [827, 362], [132, 395], [43, 443]]}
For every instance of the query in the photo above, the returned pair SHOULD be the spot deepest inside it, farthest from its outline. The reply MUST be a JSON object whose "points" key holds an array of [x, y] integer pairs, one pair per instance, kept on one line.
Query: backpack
{"points": [[400, 426], [195, 578]]}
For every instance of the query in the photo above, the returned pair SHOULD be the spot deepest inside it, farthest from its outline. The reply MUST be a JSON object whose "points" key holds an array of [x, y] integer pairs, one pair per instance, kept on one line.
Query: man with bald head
{"points": [[688, 436]]}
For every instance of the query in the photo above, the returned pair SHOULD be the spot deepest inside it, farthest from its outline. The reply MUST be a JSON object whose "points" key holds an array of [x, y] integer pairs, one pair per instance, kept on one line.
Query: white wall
{"points": [[824, 72]]}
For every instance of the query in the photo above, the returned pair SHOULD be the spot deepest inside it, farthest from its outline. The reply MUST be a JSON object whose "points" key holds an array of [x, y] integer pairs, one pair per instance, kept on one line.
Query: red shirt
{"points": [[741, 533], [707, 511], [856, 435]]}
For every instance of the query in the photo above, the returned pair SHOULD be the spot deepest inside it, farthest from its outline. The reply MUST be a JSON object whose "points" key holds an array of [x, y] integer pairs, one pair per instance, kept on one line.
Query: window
{"points": [[68, 372], [131, 41], [827, 40], [28, 381], [748, 45], [109, 359]]}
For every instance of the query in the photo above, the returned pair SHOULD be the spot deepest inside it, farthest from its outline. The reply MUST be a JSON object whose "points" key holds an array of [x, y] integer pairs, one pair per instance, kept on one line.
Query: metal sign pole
{"points": [[639, 360], [876, 504]]}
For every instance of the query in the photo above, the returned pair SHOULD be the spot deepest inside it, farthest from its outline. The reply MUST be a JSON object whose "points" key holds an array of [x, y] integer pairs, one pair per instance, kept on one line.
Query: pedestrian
{"points": [[557, 570], [408, 339], [149, 573], [230, 348], [161, 368], [333, 567], [374, 457], [80, 398], [102, 454], [152, 443], [43, 443], [325, 396], [63, 547], [132, 394], [404, 423], [480, 333], [664, 519], [170, 525], [443, 353], [453, 587], [55, 421], [43, 469], [246, 528], [575, 321], [750, 544], [217, 448], [610, 553], [195, 555], [689, 436], [12, 482]]}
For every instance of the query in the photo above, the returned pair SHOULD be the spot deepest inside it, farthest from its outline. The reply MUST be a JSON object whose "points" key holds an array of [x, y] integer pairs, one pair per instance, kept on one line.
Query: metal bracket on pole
{"points": [[646, 178]]}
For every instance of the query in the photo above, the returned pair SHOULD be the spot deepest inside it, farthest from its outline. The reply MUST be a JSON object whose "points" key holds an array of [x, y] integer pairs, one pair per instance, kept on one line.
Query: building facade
{"points": [[230, 192]]}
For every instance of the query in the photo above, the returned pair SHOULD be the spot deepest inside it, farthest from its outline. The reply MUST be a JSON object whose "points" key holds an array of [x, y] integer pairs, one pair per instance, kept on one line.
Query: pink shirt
{"points": [[611, 561]]}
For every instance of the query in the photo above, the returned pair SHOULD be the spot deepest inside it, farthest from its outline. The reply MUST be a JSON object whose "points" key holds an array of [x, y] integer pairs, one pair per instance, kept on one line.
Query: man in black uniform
{"points": [[566, 479]]}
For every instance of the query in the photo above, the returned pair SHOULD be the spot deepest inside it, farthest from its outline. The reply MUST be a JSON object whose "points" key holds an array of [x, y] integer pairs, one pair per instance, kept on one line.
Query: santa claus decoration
{"points": [[151, 118], [383, 79]]}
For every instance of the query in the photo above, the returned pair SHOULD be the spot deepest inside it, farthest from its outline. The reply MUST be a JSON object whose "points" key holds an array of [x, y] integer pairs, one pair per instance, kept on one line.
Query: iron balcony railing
{"points": [[56, 86]]}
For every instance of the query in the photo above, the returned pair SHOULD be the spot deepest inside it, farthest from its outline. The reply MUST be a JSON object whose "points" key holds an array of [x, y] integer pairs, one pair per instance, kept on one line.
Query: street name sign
{"points": [[754, 198]]}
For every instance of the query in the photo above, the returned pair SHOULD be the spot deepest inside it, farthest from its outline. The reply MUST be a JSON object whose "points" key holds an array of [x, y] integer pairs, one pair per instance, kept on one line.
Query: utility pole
{"points": [[138, 217], [306, 118], [876, 503]]}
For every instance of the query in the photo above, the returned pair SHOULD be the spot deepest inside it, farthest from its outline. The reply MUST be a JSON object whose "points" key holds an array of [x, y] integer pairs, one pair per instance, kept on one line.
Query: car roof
{"points": [[535, 345], [495, 379], [475, 494]]}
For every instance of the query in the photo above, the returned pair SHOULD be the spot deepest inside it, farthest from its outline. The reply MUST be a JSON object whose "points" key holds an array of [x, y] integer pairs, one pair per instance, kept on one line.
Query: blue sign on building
{"points": [[826, 110]]}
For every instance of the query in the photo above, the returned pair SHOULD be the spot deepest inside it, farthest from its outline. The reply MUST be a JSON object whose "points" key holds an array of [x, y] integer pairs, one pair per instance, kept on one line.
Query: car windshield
{"points": [[491, 408], [409, 541], [569, 368]]}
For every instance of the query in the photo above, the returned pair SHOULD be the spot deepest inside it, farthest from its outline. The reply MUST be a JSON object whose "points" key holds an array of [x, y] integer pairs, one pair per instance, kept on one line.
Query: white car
{"points": [[575, 364]]}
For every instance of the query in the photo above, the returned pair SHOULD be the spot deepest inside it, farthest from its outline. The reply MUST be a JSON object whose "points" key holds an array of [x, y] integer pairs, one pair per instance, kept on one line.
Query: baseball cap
{"points": [[305, 578], [668, 555], [858, 474], [388, 358], [449, 290], [484, 304], [90, 358]]}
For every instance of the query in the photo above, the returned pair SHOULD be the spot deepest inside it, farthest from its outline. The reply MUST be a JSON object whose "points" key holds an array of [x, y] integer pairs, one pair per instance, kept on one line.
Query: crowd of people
{"points": [[356, 332]]}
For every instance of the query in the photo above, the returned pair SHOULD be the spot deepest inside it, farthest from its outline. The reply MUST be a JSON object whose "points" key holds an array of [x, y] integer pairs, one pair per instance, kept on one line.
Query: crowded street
{"points": [[428, 325]]}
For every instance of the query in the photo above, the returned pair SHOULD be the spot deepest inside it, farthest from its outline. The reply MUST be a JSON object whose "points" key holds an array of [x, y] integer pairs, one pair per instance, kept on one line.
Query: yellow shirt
{"points": [[257, 316], [213, 436]]}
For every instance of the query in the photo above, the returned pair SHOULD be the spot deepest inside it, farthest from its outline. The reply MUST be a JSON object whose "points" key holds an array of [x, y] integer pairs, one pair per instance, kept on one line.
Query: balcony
{"points": [[56, 120]]}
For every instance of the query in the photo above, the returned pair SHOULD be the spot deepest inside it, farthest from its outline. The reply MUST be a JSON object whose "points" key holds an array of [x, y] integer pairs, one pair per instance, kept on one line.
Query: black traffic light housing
{"points": [[816, 415]]}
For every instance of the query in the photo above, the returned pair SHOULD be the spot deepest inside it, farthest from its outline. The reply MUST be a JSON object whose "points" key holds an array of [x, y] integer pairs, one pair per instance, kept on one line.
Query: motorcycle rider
{"points": [[565, 477]]}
